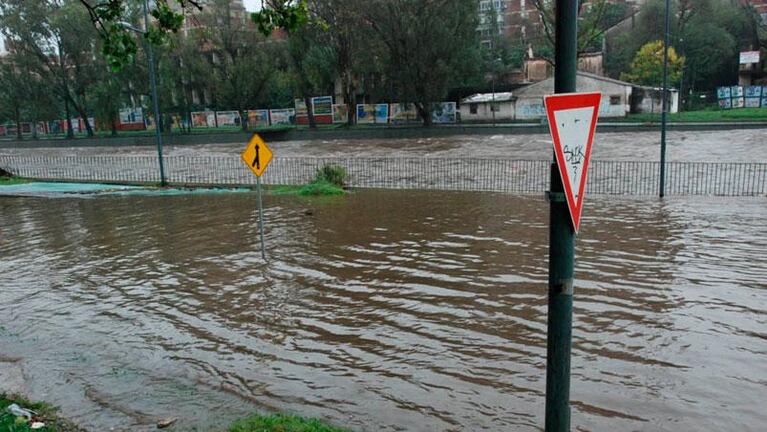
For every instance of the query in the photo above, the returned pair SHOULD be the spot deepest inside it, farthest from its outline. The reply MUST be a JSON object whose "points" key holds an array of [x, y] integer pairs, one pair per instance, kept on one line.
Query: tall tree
{"points": [[426, 44], [242, 60]]}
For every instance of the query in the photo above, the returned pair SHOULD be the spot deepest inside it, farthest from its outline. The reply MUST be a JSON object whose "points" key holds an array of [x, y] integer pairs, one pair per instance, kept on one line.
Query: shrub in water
{"points": [[332, 174]]}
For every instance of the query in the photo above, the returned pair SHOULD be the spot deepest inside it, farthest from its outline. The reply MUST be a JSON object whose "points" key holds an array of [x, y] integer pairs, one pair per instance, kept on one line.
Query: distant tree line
{"points": [[77, 58]]}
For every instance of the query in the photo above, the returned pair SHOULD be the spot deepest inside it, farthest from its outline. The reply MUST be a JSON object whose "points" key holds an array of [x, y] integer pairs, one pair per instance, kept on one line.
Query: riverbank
{"points": [[371, 132], [45, 418]]}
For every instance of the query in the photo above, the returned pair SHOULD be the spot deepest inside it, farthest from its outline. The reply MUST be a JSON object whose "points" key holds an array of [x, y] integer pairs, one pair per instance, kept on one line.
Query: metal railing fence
{"points": [[494, 175]]}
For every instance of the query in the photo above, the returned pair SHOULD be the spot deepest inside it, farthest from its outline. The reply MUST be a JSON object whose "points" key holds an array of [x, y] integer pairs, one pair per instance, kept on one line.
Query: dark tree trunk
{"points": [[310, 112], [243, 120], [349, 97], [70, 132], [423, 112], [113, 126], [17, 118]]}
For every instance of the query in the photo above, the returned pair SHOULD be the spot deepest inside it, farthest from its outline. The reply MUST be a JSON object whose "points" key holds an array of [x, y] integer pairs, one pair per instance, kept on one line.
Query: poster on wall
{"points": [[227, 118], [443, 112], [322, 105], [738, 102], [131, 116], [723, 93], [203, 119], [258, 118], [282, 116], [300, 106], [725, 103], [340, 113], [403, 113], [736, 91], [372, 113]]}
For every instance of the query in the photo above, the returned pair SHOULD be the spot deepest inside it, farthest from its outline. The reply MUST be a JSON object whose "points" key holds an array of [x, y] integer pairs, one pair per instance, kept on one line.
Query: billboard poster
{"points": [[725, 103], [738, 102], [227, 118], [203, 119], [372, 113], [723, 93], [754, 91], [403, 113], [753, 102], [258, 118], [748, 57], [131, 116], [322, 105], [301, 110], [282, 116], [340, 113], [736, 91], [443, 112]]}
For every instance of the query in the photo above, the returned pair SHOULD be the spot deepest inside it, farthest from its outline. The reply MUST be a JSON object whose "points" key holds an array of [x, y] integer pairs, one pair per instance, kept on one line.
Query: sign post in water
{"points": [[256, 157]]}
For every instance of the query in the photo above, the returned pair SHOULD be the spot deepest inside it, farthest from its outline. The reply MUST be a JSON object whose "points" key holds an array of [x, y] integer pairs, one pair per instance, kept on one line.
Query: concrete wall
{"points": [[505, 112], [615, 96]]}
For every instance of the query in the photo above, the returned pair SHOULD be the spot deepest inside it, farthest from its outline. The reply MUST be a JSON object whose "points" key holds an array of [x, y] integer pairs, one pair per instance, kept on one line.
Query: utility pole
{"points": [[561, 240], [153, 84], [664, 106]]}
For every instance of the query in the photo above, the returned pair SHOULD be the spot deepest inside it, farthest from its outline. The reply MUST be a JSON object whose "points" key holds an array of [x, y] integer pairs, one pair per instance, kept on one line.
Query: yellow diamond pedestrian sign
{"points": [[257, 155]]}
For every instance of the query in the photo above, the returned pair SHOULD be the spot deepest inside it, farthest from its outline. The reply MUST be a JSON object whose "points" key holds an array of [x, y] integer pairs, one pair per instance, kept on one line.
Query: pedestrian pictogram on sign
{"points": [[572, 121], [257, 155]]}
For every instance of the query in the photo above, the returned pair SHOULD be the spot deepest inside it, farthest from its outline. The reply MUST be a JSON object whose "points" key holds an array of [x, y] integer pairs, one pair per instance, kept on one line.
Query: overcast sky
{"points": [[252, 5]]}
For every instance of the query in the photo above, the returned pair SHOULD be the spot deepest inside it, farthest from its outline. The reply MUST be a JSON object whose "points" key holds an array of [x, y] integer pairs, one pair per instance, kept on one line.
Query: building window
{"points": [[495, 106], [615, 100], [473, 108]]}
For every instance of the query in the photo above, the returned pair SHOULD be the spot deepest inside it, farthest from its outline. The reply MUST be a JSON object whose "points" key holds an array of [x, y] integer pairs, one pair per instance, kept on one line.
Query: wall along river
{"points": [[383, 310]]}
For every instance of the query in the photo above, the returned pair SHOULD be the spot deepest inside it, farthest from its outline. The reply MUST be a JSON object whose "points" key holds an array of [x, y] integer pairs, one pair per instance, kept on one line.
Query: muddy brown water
{"points": [[746, 145], [383, 310]]}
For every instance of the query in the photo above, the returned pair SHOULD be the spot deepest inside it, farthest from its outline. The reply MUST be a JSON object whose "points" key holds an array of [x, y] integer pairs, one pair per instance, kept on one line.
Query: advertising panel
{"points": [[340, 113], [322, 105], [443, 112], [258, 118], [227, 118], [203, 119], [403, 113], [285, 116]]}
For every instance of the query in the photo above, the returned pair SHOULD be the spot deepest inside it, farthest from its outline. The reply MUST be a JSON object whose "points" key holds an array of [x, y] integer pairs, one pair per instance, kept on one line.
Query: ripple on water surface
{"points": [[384, 310]]}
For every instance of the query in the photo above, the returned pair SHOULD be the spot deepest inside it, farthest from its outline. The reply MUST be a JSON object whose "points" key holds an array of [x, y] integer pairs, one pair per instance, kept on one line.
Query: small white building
{"points": [[480, 107]]}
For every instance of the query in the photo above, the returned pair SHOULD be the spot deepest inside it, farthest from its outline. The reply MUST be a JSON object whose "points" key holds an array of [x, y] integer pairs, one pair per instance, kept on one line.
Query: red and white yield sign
{"points": [[572, 121]]}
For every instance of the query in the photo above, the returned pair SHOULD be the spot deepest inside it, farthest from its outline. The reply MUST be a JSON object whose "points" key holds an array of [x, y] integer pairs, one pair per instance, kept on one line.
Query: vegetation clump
{"points": [[329, 180], [43, 413], [281, 423]]}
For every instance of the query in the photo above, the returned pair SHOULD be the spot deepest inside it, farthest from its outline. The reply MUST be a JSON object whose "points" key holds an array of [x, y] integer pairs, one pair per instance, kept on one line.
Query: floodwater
{"points": [[383, 310], [745, 145]]}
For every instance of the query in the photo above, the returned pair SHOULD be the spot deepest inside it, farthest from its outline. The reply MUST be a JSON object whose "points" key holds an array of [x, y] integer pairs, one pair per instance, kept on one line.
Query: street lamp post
{"points": [[664, 106], [153, 85]]}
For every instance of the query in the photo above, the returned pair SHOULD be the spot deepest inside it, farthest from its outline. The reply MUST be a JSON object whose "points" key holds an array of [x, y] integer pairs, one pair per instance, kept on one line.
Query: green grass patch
{"points": [[281, 423], [45, 414], [702, 116], [8, 181], [320, 188]]}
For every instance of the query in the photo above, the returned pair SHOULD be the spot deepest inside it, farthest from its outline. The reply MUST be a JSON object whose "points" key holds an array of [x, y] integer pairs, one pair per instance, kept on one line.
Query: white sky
{"points": [[252, 5]]}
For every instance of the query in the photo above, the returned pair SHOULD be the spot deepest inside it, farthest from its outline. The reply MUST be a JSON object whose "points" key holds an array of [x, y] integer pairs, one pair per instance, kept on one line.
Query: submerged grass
{"points": [[8, 181], [281, 423], [45, 414]]}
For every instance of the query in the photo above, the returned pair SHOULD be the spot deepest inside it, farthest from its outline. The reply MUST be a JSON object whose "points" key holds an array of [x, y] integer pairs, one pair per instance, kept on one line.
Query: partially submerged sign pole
{"points": [[561, 240], [256, 157]]}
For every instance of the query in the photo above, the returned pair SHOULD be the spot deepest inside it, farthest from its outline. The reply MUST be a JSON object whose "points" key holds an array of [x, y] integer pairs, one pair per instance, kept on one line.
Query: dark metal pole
{"points": [[153, 84], [664, 106], [261, 218], [561, 241]]}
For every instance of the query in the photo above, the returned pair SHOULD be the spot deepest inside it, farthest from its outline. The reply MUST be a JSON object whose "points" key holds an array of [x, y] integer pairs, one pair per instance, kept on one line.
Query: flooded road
{"points": [[384, 310], [746, 145]]}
